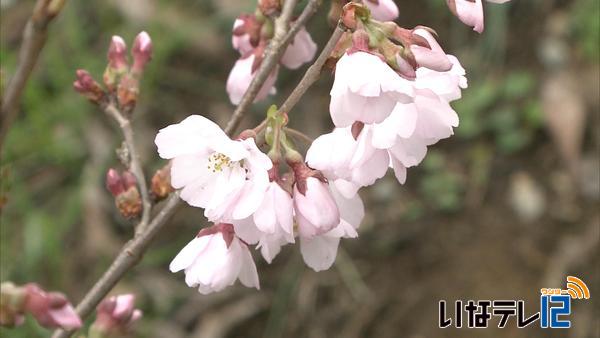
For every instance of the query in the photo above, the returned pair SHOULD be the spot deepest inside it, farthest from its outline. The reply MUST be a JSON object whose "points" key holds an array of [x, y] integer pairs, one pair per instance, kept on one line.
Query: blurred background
{"points": [[505, 207]]}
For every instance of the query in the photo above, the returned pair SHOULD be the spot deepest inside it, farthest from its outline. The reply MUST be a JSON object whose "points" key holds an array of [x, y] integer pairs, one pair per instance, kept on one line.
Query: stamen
{"points": [[217, 162]]}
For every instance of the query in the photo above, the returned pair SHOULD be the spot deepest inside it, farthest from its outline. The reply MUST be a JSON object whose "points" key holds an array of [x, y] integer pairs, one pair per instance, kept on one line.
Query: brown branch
{"points": [[129, 256], [277, 46], [134, 163], [34, 39]]}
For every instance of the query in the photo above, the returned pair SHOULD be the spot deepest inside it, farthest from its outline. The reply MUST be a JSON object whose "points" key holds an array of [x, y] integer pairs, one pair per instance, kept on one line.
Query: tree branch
{"points": [[129, 256], [34, 39], [134, 163], [277, 46]]}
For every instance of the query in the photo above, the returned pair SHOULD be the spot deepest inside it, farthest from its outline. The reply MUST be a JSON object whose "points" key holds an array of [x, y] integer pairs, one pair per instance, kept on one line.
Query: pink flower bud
{"points": [[128, 179], [316, 210], [116, 315], [114, 182], [88, 87], [51, 310], [142, 52], [117, 53], [269, 7]]}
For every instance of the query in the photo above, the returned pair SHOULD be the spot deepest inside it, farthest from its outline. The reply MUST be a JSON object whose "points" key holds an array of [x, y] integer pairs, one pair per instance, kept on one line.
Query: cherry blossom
{"points": [[241, 40], [315, 208], [240, 77], [272, 224], [300, 51], [470, 12], [366, 90], [215, 259], [116, 315], [51, 309], [382, 10], [319, 251], [225, 177]]}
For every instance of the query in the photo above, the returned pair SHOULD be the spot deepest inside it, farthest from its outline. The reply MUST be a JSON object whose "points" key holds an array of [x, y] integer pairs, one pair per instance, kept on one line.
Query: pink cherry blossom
{"points": [[272, 224], [241, 42], [434, 57], [347, 162], [215, 260], [51, 309], [470, 12], [382, 10], [116, 315], [315, 208], [300, 51], [319, 251], [353, 157], [365, 89], [240, 77], [227, 178]]}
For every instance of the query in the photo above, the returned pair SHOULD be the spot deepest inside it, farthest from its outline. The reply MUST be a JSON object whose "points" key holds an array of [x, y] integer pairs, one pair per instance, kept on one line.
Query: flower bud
{"points": [[114, 182], [315, 208], [124, 188], [88, 87], [115, 316], [142, 52], [353, 13], [117, 53], [269, 7], [51, 310], [129, 203], [12, 302], [117, 62], [161, 183], [128, 180]]}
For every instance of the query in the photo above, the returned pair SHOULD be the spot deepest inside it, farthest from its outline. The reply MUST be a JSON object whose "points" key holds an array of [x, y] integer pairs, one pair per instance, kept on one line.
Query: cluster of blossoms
{"points": [[243, 193], [390, 101]]}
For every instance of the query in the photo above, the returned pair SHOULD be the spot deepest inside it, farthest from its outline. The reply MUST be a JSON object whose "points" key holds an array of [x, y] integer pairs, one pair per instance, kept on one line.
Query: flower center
{"points": [[217, 162]]}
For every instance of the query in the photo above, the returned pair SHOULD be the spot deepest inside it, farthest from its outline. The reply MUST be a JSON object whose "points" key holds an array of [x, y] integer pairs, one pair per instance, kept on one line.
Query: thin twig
{"points": [[134, 163], [276, 47], [34, 39], [312, 73]]}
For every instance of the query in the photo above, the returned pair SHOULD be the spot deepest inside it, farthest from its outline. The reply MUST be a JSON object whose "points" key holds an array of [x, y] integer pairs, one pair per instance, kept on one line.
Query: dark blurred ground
{"points": [[507, 206]]}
